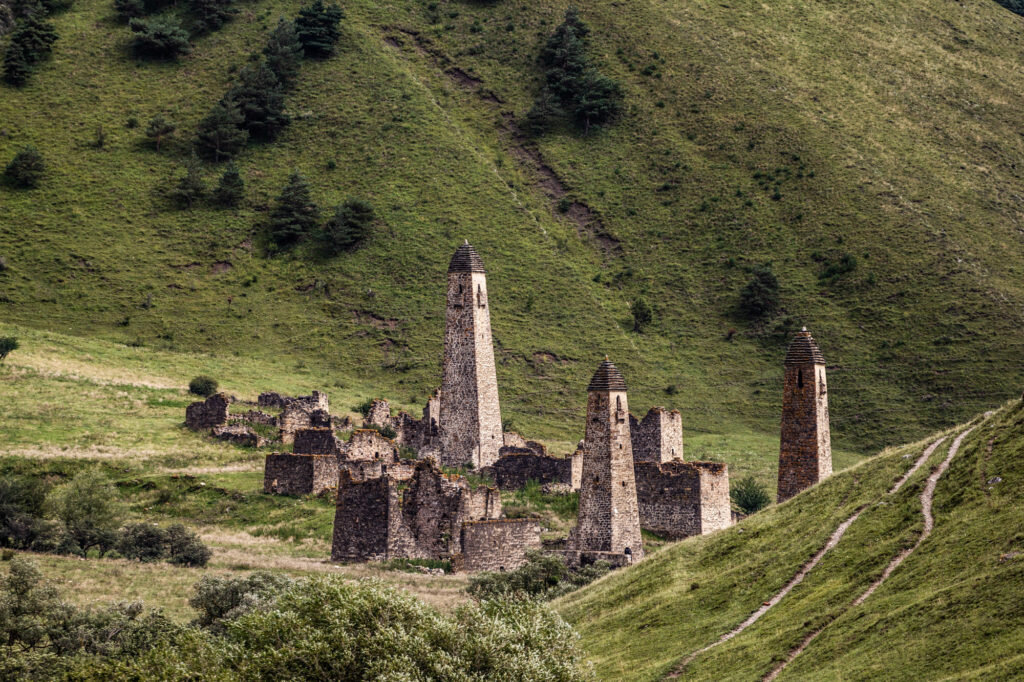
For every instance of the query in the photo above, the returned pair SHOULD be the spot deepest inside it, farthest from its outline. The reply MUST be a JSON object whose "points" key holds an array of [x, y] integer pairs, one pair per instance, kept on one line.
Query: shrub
{"points": [[159, 130], [283, 52], [203, 385], [26, 169], [132, 9], [833, 271], [21, 511], [348, 227], [760, 297], [317, 29], [161, 38], [230, 188], [17, 68], [210, 15], [31, 42], [221, 135], [185, 548], [296, 214], [221, 599], [642, 314], [190, 188], [363, 408], [543, 576], [84, 506], [8, 344], [144, 542], [749, 495]]}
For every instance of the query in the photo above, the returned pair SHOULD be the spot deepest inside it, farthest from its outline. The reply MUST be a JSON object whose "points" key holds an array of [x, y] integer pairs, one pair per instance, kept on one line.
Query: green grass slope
{"points": [[794, 133], [952, 610]]}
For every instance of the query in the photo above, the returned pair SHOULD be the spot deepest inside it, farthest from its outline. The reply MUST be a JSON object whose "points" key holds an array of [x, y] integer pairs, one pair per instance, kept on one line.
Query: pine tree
{"points": [[190, 187], [231, 187], [260, 99], [159, 129], [295, 215], [16, 66], [317, 28], [159, 38], [348, 227], [35, 35], [642, 314], [221, 135], [284, 53], [761, 295], [210, 15]]}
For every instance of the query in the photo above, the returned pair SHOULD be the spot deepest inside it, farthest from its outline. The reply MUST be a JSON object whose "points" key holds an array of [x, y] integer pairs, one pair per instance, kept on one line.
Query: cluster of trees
{"points": [[191, 187], [543, 576], [31, 42], [79, 517], [574, 89], [336, 629], [164, 37], [253, 108], [296, 217]]}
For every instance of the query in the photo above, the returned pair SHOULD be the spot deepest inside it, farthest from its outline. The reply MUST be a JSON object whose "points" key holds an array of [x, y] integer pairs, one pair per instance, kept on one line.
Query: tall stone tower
{"points": [[470, 419], [805, 450], [609, 517]]}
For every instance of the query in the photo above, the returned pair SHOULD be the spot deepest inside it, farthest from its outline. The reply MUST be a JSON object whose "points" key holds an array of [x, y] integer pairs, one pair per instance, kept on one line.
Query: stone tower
{"points": [[609, 519], [470, 419], [805, 450]]}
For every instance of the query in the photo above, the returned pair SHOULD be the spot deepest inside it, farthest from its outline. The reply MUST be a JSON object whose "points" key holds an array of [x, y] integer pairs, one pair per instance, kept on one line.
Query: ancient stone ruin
{"points": [[805, 449], [658, 437]]}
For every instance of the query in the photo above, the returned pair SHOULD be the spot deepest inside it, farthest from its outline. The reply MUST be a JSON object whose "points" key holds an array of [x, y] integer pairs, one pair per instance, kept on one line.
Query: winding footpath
{"points": [[927, 496], [815, 560]]}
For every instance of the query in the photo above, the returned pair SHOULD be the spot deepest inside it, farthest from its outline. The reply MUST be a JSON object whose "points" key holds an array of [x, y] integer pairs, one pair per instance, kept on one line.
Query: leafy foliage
{"points": [[203, 385], [847, 263], [760, 297], [296, 215], [84, 507], [133, 9], [21, 511], [749, 495], [220, 599], [8, 344], [158, 38], [26, 169], [17, 68], [642, 313], [230, 188], [317, 29], [348, 227], [543, 576], [573, 86], [31, 42], [148, 542], [221, 135]]}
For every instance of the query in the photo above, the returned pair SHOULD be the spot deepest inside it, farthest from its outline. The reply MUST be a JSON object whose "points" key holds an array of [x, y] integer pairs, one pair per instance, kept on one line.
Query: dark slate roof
{"points": [[803, 350], [607, 378], [466, 259]]}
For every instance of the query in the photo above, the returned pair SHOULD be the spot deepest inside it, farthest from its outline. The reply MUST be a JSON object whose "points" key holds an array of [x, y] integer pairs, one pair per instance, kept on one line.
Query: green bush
{"points": [[159, 38], [348, 227], [210, 15], [143, 542], [159, 130], [221, 599], [642, 314], [283, 52], [190, 188], [21, 511], [84, 506], [26, 169], [31, 42], [833, 271], [543, 576], [203, 385], [184, 547], [749, 496], [8, 344], [260, 99], [760, 297], [230, 188]]}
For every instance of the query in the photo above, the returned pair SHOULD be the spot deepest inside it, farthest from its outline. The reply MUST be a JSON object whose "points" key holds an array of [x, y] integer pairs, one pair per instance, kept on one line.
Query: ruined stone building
{"points": [[805, 449], [658, 437], [421, 435], [608, 519], [470, 418], [678, 499]]}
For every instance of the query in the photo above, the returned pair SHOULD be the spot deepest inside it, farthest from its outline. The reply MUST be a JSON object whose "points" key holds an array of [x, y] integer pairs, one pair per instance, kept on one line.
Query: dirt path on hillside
{"points": [[832, 542], [927, 496]]}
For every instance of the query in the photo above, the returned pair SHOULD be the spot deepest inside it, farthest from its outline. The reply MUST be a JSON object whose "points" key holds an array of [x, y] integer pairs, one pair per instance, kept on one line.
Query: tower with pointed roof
{"points": [[805, 448], [470, 418], [609, 518]]}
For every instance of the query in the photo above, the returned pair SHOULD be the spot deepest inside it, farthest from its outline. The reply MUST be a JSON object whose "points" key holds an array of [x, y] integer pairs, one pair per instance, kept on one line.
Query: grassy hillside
{"points": [[797, 133], [951, 610]]}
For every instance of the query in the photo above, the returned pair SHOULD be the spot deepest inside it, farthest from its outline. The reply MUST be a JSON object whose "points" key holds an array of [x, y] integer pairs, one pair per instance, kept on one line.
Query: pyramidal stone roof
{"points": [[466, 259], [607, 378], [803, 350]]}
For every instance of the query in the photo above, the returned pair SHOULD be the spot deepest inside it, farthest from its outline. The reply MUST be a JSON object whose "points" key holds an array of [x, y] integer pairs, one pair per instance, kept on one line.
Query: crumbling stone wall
{"points": [[380, 413], [363, 518], [239, 434], [470, 423], [517, 465], [679, 499], [254, 417], [289, 474], [608, 518], [316, 440], [658, 437], [316, 401], [498, 545], [805, 450], [368, 444], [209, 413]]}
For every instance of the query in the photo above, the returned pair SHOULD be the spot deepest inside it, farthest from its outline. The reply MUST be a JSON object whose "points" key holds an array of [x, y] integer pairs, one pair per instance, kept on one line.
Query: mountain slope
{"points": [[952, 609], [797, 133]]}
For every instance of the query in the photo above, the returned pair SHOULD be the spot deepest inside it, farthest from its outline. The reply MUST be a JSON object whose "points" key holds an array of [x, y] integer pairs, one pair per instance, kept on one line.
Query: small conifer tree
{"points": [[8, 344], [231, 188], [760, 297], [221, 135], [159, 130], [158, 38], [295, 215], [190, 187], [348, 227], [283, 52], [16, 66], [35, 35], [642, 314], [210, 15], [260, 99], [26, 169], [317, 29]]}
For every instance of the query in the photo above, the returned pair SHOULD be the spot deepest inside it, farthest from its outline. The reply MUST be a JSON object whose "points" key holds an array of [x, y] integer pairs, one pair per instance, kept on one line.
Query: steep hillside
{"points": [[951, 607], [798, 133]]}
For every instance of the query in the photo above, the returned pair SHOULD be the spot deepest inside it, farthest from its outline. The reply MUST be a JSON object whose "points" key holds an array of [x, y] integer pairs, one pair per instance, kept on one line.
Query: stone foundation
{"points": [[239, 434]]}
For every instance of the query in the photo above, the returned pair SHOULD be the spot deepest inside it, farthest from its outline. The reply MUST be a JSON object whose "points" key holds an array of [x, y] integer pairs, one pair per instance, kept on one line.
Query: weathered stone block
{"points": [[498, 545], [288, 474], [208, 413]]}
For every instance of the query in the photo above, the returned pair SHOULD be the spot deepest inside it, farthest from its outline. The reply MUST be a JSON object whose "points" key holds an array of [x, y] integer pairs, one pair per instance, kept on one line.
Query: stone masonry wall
{"points": [[517, 465], [715, 503], [498, 545], [368, 444], [209, 413], [805, 453], [380, 413], [362, 518], [658, 437], [288, 474], [679, 499], [470, 423], [608, 519], [316, 441]]}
